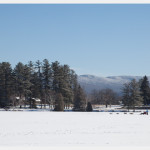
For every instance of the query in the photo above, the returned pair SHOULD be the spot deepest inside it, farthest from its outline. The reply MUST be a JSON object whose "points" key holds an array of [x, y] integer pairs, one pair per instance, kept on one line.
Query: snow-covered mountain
{"points": [[90, 82]]}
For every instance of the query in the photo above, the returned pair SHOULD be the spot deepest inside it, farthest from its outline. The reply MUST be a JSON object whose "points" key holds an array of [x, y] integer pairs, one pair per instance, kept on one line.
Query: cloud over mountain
{"points": [[90, 82]]}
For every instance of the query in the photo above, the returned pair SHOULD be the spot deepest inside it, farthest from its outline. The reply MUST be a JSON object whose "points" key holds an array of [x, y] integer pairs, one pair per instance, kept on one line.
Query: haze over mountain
{"points": [[90, 82]]}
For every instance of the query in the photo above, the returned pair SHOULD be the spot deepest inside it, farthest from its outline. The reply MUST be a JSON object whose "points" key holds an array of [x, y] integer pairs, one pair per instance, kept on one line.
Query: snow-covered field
{"points": [[74, 129]]}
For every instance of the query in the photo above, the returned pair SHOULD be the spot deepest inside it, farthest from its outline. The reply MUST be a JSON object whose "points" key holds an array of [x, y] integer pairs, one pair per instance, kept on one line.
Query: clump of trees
{"points": [[136, 94], [89, 107], [104, 97], [54, 84]]}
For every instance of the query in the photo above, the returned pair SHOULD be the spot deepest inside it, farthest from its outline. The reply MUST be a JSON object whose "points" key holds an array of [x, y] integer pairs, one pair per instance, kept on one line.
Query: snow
{"points": [[74, 129]]}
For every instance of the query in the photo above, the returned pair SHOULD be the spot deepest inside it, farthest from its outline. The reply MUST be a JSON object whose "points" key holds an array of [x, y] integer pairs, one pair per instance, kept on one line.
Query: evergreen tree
{"points": [[62, 83], [6, 84], [59, 103], [73, 79], [29, 74], [145, 90], [56, 76], [66, 87], [89, 107], [136, 98], [126, 98], [47, 80], [36, 92], [38, 83], [132, 95], [74, 84], [79, 100], [23, 82], [19, 82]]}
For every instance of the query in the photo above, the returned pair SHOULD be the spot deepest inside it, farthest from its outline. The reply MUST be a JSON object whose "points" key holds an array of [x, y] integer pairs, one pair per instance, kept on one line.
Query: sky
{"points": [[102, 40]]}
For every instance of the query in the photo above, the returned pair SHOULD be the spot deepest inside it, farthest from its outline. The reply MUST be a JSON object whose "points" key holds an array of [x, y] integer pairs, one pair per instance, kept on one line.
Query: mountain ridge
{"points": [[91, 82]]}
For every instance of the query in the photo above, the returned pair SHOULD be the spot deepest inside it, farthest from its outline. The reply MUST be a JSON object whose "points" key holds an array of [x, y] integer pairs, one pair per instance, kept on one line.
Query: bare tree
{"points": [[104, 97]]}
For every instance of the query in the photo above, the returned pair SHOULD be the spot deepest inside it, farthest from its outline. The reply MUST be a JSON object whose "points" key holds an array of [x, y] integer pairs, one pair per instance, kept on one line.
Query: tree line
{"points": [[57, 86], [53, 84], [136, 93]]}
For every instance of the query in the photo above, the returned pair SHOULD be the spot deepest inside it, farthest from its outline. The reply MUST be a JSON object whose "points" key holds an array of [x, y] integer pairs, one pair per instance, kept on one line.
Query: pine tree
{"points": [[132, 95], [145, 90], [19, 82], [66, 87], [6, 85], [38, 83], [59, 103], [29, 83], [79, 100], [136, 98], [89, 107], [126, 98], [56, 76], [46, 71], [61, 77]]}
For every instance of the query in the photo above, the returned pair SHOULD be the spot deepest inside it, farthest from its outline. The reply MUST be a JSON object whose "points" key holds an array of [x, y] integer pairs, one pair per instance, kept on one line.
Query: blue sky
{"points": [[102, 40]]}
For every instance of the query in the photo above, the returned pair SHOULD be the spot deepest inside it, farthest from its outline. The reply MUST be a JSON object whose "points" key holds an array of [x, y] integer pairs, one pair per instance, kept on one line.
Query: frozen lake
{"points": [[74, 129]]}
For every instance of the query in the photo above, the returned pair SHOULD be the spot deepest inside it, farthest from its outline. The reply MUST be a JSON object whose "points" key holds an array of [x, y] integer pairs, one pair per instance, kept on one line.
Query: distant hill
{"points": [[90, 82]]}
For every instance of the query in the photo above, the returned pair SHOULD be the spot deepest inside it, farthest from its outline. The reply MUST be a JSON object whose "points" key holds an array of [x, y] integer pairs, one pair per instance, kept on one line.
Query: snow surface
{"points": [[74, 129]]}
